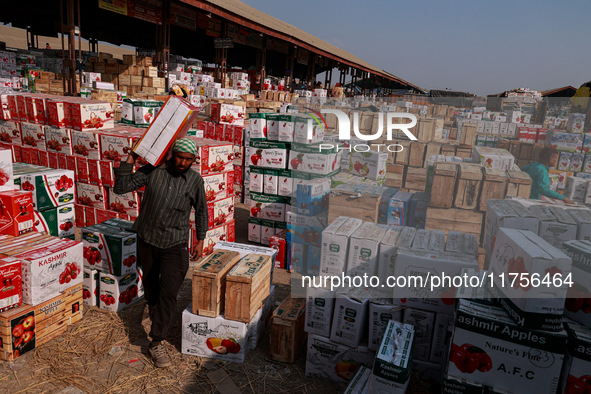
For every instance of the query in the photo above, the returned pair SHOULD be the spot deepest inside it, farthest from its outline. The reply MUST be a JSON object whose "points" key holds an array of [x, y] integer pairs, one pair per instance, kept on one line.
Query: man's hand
{"points": [[197, 250], [132, 157], [568, 200]]}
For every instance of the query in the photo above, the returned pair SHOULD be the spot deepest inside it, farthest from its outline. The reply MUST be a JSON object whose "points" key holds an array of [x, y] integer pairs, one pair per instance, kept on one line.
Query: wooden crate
{"points": [[463, 151], [535, 155], [417, 154], [403, 155], [395, 175], [209, 282], [433, 148], [526, 151], [287, 330], [448, 150], [494, 186], [519, 184], [248, 284], [351, 204], [50, 318], [468, 135], [469, 184], [503, 144], [462, 220], [444, 185], [136, 80], [416, 179], [515, 148]]}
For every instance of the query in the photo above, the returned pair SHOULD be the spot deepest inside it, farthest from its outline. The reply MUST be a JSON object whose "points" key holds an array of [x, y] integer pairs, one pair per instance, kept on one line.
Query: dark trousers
{"points": [[164, 271]]}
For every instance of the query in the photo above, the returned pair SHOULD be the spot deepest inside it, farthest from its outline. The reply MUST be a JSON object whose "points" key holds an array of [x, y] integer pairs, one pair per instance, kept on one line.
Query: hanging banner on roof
{"points": [[146, 10], [183, 16], [212, 26], [118, 6]]}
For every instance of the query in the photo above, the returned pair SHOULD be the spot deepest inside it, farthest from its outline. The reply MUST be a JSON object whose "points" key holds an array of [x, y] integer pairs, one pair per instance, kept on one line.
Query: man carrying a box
{"points": [[162, 226], [538, 171]]}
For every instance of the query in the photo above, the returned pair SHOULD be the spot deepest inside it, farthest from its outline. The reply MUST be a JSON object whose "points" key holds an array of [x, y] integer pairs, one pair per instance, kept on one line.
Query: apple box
{"points": [[127, 204], [392, 367], [17, 215], [301, 128], [58, 221], [90, 286], [349, 320], [116, 144], [212, 156], [258, 125], [58, 140], [312, 196], [49, 270], [335, 362], [228, 114], [575, 372], [6, 170], [50, 188], [578, 301], [91, 115], [10, 132], [489, 348], [278, 242], [319, 311], [398, 209], [56, 113], [286, 127], [423, 322], [172, 121], [109, 249], [218, 186], [144, 111], [256, 179], [221, 211], [118, 292], [10, 283], [335, 244], [267, 154], [369, 164], [36, 109], [33, 135], [91, 195], [519, 253], [225, 232], [82, 172], [268, 207], [313, 159], [86, 144], [380, 314], [254, 230], [107, 173], [389, 248]]}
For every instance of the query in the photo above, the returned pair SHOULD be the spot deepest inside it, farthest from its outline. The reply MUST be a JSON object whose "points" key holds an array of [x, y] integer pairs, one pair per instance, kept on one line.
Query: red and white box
{"points": [[16, 213], [238, 175], [94, 172], [86, 144], [82, 170], [90, 286], [34, 156], [33, 135], [107, 173], [118, 292], [213, 156], [80, 215], [10, 283], [62, 161], [218, 186], [229, 133], [219, 132], [50, 270], [278, 242], [104, 215], [52, 160], [116, 144], [22, 108], [89, 115], [225, 232], [128, 203], [6, 173], [173, 120], [10, 132], [26, 154], [16, 153], [43, 158], [36, 110], [50, 188], [70, 165], [56, 113], [221, 211], [58, 140], [228, 114], [91, 196], [90, 216]]}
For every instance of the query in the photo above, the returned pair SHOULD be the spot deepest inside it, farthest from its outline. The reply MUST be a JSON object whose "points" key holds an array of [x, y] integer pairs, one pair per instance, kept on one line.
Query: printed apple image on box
{"points": [[91, 195], [33, 135], [254, 230], [268, 154], [118, 292], [58, 222], [145, 111], [212, 156], [90, 286], [221, 211], [109, 249], [268, 207], [10, 132], [225, 232], [95, 115], [58, 140], [258, 125]]}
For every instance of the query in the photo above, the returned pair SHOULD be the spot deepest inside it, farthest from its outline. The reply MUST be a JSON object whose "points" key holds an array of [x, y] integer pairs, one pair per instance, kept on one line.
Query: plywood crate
{"points": [[519, 184], [463, 151], [417, 154], [395, 175], [402, 156], [136, 80], [535, 155], [433, 148], [503, 144], [49, 320], [526, 151], [448, 150], [352, 204], [416, 179], [287, 330], [462, 220], [209, 282], [468, 136], [444, 185], [515, 148], [248, 284], [494, 186], [468, 186]]}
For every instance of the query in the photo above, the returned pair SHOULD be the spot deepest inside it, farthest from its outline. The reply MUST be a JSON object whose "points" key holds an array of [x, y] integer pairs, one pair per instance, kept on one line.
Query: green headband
{"points": [[185, 145]]}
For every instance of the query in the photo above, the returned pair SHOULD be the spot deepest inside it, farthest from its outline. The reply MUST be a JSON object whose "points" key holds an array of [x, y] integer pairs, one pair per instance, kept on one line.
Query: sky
{"points": [[477, 46]]}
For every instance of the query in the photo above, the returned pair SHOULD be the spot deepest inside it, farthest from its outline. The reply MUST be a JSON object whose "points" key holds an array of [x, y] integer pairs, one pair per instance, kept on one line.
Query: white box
{"points": [[368, 164], [51, 269], [257, 125], [398, 209], [513, 356], [334, 362], [523, 252], [583, 219], [254, 230], [495, 158], [90, 286], [576, 188], [319, 311], [267, 154], [335, 243], [349, 320], [6, 173], [118, 292], [559, 230], [360, 382], [575, 373], [424, 322], [364, 246], [392, 367], [443, 321], [389, 249], [578, 302], [380, 313], [256, 183]]}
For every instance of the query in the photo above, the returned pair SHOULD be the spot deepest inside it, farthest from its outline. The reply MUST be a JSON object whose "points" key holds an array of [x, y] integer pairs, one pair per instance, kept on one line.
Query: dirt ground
{"points": [[106, 352]]}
